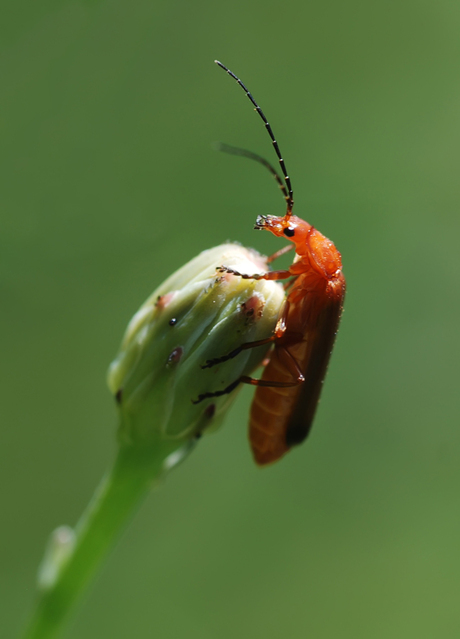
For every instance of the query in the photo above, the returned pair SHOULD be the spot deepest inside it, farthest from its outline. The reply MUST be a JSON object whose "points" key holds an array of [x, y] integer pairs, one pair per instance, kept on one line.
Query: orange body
{"points": [[287, 395], [282, 416]]}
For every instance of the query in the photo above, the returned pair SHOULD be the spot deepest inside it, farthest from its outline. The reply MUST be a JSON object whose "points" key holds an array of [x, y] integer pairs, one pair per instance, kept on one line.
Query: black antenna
{"points": [[234, 150], [287, 179]]}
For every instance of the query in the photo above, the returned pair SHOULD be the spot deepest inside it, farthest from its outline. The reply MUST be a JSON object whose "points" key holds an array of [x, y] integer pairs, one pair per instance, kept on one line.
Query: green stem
{"points": [[114, 502]]}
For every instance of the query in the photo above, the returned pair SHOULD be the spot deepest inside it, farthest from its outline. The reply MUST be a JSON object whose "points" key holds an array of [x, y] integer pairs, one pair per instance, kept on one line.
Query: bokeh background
{"points": [[109, 183]]}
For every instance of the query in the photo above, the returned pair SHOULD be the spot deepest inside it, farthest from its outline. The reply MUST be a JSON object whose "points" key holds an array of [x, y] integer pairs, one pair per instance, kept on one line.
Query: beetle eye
{"points": [[289, 231]]}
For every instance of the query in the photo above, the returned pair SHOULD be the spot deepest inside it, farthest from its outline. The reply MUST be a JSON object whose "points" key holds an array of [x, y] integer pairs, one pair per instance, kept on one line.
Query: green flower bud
{"points": [[196, 315]]}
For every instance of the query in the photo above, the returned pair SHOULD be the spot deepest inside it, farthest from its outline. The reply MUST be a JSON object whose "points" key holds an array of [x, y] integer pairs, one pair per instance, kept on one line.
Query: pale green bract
{"points": [[195, 315]]}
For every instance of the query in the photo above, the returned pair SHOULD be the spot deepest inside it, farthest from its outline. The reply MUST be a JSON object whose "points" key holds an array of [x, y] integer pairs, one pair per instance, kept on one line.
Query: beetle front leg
{"points": [[282, 251], [269, 275]]}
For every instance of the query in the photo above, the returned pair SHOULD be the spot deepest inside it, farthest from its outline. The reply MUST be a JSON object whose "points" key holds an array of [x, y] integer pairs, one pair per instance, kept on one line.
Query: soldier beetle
{"points": [[287, 395]]}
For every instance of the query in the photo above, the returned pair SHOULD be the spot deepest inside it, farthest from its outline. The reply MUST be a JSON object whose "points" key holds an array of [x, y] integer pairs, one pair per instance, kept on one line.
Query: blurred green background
{"points": [[109, 183]]}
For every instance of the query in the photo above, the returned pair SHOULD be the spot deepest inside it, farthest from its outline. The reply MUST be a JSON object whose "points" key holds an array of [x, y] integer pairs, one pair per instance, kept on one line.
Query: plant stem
{"points": [[121, 491]]}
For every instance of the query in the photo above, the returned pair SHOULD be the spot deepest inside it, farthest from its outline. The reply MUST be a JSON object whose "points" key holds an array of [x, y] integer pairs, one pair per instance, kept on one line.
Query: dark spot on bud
{"points": [[210, 410], [198, 435], [289, 231], [176, 355], [173, 321], [164, 300], [246, 309], [118, 395]]}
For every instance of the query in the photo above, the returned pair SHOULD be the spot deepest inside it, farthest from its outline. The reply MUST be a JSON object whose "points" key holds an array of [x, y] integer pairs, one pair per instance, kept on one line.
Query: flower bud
{"points": [[197, 314]]}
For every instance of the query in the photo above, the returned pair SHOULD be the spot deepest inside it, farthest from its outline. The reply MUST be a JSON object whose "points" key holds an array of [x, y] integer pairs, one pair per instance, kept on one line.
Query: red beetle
{"points": [[285, 401]]}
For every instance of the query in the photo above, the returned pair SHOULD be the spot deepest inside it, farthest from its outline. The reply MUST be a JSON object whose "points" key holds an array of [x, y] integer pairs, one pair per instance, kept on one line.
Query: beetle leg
{"points": [[244, 379], [244, 347], [279, 330], [269, 275], [281, 252], [287, 285], [292, 364], [225, 391]]}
